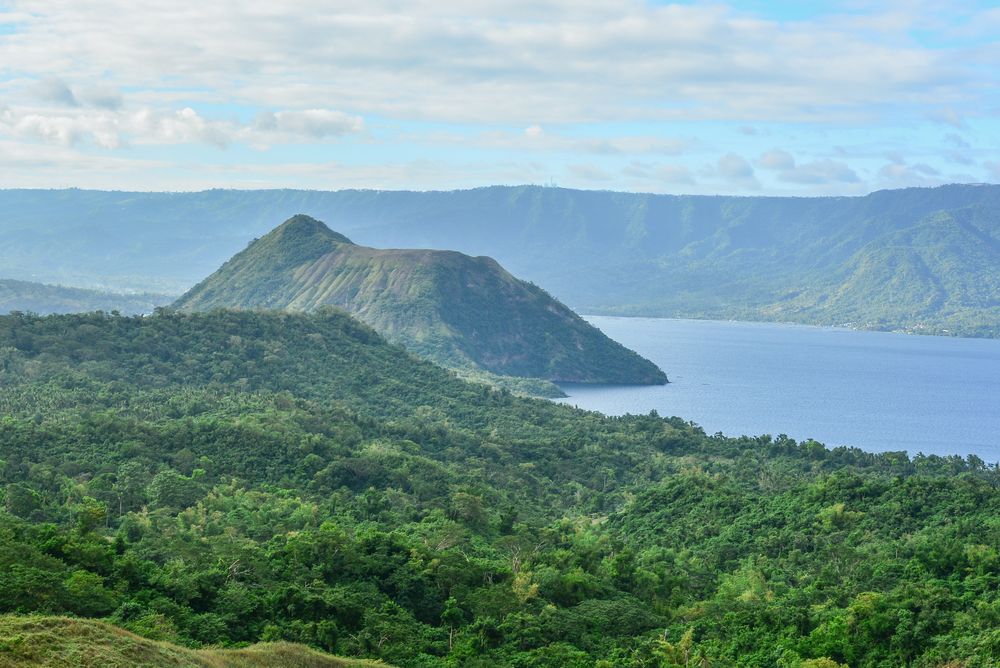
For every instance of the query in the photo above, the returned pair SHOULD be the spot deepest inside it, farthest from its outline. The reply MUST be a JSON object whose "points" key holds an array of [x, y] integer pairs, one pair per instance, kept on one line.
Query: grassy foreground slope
{"points": [[219, 479], [460, 311], [58, 642]]}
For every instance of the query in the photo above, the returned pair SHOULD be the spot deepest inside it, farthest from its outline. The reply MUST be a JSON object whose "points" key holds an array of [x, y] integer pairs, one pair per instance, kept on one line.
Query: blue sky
{"points": [[754, 98]]}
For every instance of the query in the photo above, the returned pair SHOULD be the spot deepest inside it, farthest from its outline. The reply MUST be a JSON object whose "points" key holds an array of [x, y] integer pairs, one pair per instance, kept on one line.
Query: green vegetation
{"points": [[919, 259], [463, 312], [227, 478], [46, 299], [57, 642]]}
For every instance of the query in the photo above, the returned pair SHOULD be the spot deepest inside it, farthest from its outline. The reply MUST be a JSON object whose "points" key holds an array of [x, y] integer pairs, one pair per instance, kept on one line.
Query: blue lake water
{"points": [[874, 390]]}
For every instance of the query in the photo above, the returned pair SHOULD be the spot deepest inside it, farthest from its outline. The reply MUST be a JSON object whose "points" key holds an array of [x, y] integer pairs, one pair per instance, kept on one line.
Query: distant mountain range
{"points": [[460, 311], [45, 299], [920, 259]]}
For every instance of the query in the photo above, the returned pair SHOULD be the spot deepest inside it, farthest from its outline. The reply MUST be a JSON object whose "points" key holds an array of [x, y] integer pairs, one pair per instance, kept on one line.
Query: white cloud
{"points": [[900, 174], [114, 128], [102, 97], [586, 88], [55, 91], [776, 159], [509, 61], [310, 123], [44, 165], [633, 145], [733, 167], [184, 126], [819, 172]]}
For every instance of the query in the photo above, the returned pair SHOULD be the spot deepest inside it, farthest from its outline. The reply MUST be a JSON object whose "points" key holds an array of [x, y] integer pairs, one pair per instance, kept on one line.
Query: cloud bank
{"points": [[693, 91]]}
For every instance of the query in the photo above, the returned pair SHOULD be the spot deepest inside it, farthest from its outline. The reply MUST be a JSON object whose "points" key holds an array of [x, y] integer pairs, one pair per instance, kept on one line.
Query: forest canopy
{"points": [[225, 478]]}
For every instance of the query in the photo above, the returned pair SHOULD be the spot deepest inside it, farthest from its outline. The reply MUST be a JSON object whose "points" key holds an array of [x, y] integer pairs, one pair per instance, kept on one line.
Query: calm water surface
{"points": [[874, 390]]}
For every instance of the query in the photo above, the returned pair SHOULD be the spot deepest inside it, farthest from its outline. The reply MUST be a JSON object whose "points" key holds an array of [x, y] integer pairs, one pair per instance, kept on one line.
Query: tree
{"points": [[452, 617], [172, 490]]}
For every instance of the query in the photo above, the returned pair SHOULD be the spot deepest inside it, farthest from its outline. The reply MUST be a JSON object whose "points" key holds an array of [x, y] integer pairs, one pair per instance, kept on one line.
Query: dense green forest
{"points": [[225, 478], [918, 259], [462, 312], [46, 299]]}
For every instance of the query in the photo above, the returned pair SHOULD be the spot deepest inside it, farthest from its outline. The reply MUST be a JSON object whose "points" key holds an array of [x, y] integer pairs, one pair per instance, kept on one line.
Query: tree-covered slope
{"points": [[458, 310], [600, 252], [938, 275], [217, 479], [45, 299]]}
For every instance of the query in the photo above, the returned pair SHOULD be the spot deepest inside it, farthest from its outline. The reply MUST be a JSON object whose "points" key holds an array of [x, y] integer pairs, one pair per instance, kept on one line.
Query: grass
{"points": [[43, 641]]}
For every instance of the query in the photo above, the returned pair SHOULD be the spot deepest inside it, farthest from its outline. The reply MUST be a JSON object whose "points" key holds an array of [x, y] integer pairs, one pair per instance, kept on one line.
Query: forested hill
{"points": [[45, 299], [460, 311], [922, 259], [225, 478]]}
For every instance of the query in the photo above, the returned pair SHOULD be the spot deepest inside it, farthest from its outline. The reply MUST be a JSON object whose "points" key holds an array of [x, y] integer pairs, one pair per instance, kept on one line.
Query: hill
{"points": [[460, 311], [56, 642], [918, 259], [217, 479], [46, 299]]}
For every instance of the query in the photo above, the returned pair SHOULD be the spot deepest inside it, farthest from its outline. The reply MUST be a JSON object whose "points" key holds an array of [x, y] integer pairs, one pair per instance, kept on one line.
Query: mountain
{"points": [[45, 299], [918, 259], [457, 310]]}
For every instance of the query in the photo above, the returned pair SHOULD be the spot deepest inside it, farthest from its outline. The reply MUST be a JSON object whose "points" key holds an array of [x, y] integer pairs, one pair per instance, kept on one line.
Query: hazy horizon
{"points": [[486, 186]]}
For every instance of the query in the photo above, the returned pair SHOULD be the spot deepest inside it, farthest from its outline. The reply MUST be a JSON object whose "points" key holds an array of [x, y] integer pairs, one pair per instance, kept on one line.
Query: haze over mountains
{"points": [[44, 299], [922, 259], [463, 312]]}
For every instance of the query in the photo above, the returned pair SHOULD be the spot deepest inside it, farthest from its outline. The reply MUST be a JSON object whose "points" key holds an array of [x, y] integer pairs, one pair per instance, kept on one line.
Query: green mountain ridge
{"points": [[460, 311], [759, 258]]}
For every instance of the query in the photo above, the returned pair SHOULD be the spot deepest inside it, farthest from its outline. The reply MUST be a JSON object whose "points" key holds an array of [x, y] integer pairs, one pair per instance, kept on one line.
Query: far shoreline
{"points": [[916, 330]]}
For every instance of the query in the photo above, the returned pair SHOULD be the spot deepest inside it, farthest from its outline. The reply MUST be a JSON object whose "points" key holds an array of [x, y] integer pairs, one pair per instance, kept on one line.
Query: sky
{"points": [[746, 98]]}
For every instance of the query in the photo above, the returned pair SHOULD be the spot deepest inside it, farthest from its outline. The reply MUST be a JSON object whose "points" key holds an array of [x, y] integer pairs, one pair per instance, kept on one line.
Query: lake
{"points": [[874, 390]]}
